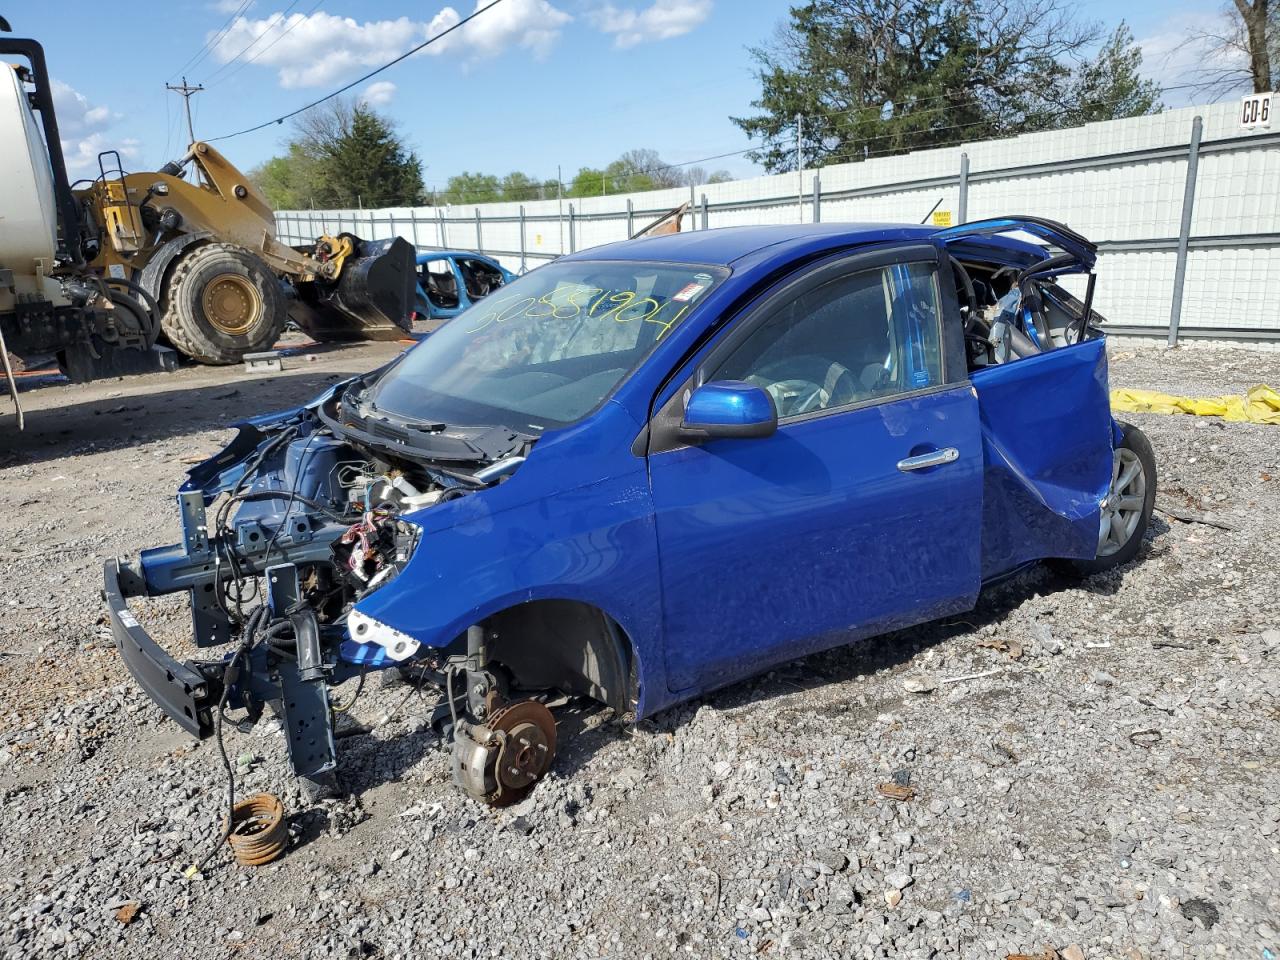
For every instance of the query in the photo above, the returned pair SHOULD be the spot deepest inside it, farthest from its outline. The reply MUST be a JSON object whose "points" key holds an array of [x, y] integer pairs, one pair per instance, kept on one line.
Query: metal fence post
{"points": [[693, 223], [963, 212], [573, 240], [479, 235], [705, 225], [817, 196], [631, 218], [1184, 230], [523, 264], [440, 227], [413, 223]]}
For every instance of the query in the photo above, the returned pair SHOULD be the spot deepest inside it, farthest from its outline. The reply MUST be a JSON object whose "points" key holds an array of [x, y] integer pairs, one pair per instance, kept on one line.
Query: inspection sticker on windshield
{"points": [[691, 290]]}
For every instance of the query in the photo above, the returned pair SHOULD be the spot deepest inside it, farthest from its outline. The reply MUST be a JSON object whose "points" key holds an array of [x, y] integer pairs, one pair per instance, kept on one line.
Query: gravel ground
{"points": [[1110, 790]]}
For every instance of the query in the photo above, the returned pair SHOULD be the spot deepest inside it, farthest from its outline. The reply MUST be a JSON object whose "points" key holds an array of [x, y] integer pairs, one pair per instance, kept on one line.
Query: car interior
{"points": [[1010, 312], [439, 283], [479, 277]]}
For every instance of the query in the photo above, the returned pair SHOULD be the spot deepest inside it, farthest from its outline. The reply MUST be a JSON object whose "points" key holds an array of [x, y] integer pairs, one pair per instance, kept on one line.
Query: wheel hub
{"points": [[231, 303]]}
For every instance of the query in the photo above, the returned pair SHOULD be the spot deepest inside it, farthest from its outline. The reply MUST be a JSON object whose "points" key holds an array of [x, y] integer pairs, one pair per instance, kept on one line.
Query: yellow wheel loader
{"points": [[208, 254]]}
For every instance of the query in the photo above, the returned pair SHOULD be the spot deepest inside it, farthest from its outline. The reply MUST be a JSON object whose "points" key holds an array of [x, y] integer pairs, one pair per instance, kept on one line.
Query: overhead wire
{"points": [[372, 73], [271, 23], [298, 20], [213, 40]]}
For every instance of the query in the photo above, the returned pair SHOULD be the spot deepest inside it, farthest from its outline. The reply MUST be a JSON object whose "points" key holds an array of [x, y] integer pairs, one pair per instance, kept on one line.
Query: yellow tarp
{"points": [[1260, 405]]}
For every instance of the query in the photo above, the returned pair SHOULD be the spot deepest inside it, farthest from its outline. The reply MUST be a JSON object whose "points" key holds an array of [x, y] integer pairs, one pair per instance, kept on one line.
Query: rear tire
{"points": [[221, 302], [1126, 511]]}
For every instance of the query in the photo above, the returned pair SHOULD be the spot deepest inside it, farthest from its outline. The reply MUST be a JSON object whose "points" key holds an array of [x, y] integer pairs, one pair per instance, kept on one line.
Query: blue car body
{"points": [[712, 559], [458, 266]]}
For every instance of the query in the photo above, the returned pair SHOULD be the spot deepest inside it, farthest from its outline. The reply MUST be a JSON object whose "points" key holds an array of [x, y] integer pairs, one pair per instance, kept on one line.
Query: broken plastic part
{"points": [[364, 629]]}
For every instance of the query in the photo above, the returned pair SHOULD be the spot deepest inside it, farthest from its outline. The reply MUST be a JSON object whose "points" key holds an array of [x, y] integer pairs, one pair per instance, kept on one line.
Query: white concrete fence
{"points": [[1122, 183]]}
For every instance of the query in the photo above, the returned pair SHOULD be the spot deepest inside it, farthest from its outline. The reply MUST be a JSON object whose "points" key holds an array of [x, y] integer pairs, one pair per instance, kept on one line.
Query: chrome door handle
{"points": [[934, 458]]}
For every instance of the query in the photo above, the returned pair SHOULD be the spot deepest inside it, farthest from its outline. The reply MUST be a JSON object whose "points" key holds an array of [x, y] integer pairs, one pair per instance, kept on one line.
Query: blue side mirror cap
{"points": [[728, 408]]}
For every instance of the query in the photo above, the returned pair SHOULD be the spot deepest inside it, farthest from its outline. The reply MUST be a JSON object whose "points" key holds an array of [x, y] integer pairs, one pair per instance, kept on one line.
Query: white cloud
{"points": [[317, 49], [379, 93], [82, 128], [661, 20], [1176, 55]]}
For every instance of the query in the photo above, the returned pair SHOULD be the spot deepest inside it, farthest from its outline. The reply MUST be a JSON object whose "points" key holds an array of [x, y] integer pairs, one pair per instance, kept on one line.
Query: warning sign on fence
{"points": [[941, 218]]}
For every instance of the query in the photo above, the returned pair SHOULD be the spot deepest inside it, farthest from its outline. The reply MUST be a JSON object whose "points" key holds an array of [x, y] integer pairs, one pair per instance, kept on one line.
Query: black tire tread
{"points": [[186, 332]]}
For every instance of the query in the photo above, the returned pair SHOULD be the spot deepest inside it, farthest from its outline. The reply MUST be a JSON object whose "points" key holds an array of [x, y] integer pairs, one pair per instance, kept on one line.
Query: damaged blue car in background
{"points": [[648, 470]]}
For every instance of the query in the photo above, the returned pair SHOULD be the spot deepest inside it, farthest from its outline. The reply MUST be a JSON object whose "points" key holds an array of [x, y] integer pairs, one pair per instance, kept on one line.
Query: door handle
{"points": [[934, 458]]}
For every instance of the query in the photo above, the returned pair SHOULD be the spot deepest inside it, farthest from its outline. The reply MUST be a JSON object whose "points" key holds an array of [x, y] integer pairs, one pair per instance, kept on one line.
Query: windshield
{"points": [[547, 348]]}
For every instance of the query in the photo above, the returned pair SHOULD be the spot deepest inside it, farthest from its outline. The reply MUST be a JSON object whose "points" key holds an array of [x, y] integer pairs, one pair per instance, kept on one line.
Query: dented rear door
{"points": [[1047, 451]]}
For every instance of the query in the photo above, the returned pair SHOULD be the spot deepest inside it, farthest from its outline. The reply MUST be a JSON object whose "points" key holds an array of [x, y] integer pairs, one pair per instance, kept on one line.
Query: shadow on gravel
{"points": [[581, 738], [133, 418]]}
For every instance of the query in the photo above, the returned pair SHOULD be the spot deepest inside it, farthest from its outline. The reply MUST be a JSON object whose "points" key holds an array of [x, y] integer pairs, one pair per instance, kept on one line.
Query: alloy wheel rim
{"points": [[1122, 509]]}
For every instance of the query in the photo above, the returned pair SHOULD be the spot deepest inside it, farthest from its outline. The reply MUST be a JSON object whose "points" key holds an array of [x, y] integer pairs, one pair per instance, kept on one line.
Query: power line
{"points": [[372, 73], [298, 21], [271, 22], [218, 35]]}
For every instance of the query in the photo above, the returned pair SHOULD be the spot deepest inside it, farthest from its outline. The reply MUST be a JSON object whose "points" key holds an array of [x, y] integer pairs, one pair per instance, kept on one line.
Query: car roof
{"points": [[725, 245], [429, 255]]}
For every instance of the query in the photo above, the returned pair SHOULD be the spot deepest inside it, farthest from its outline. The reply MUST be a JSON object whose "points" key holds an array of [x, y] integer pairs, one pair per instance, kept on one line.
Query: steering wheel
{"points": [[796, 395]]}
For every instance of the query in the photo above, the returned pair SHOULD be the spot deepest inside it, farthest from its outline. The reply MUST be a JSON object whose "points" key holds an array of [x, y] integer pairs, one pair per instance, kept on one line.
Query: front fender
{"points": [[595, 544]]}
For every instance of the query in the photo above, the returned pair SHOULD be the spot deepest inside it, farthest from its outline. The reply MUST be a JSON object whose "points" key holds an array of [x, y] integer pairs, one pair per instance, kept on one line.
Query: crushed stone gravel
{"points": [[1111, 792]]}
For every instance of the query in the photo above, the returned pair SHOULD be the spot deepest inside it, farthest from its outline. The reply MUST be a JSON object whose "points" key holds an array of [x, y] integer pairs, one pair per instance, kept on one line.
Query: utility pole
{"points": [[186, 90], [799, 168]]}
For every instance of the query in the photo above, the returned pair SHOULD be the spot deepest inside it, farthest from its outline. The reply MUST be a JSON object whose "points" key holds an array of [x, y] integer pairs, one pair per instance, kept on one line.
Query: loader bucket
{"points": [[372, 299]]}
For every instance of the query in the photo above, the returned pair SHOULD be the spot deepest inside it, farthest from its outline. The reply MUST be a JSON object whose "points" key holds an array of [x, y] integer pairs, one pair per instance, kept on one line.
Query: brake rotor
{"points": [[526, 750], [500, 761]]}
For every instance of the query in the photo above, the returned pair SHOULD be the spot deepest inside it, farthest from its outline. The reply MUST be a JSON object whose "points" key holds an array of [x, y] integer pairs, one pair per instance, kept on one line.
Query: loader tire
{"points": [[221, 302]]}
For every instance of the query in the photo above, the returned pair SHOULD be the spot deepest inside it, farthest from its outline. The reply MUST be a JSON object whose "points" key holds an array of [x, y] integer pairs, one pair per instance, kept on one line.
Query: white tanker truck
{"points": [[51, 303]]}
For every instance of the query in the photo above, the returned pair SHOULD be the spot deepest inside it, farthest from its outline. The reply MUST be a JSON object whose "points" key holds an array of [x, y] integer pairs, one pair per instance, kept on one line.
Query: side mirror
{"points": [[728, 408]]}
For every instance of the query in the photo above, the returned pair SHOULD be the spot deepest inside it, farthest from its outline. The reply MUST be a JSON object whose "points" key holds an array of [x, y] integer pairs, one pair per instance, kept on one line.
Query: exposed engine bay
{"points": [[297, 520]]}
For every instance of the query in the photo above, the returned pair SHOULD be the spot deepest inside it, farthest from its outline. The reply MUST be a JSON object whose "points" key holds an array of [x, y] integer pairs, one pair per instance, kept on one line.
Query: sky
{"points": [[530, 85]]}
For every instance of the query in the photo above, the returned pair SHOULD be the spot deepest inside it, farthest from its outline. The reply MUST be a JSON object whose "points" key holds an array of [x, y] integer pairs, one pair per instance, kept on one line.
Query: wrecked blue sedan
{"points": [[648, 470]]}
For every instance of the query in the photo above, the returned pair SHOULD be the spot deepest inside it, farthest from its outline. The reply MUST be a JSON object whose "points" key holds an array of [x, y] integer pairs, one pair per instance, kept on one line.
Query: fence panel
{"points": [[1121, 183]]}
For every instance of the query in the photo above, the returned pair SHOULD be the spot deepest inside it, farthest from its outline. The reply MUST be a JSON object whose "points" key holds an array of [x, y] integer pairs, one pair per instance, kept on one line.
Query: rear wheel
{"points": [[1126, 509], [221, 302]]}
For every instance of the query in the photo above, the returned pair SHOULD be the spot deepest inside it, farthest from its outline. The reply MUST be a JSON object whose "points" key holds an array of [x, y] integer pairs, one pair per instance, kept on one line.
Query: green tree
{"points": [[588, 182], [289, 182], [368, 165], [872, 77], [1109, 85], [343, 154], [468, 187]]}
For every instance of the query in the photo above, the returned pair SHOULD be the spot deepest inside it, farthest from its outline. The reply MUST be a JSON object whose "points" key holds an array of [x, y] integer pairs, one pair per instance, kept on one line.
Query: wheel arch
{"points": [[566, 643]]}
